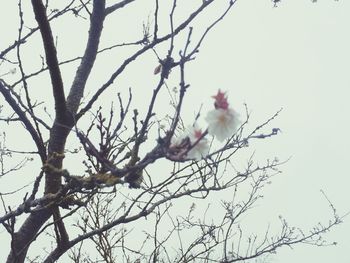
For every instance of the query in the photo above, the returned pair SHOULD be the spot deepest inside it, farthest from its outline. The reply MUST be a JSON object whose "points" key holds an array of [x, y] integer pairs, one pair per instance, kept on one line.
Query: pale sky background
{"points": [[295, 57]]}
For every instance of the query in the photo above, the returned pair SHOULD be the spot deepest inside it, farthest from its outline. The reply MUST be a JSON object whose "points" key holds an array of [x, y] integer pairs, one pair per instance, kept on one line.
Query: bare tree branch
{"points": [[51, 58], [140, 52], [30, 128], [116, 6], [87, 62]]}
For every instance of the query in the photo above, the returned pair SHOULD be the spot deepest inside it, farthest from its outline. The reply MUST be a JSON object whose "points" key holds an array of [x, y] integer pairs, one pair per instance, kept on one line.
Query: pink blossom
{"points": [[220, 100]]}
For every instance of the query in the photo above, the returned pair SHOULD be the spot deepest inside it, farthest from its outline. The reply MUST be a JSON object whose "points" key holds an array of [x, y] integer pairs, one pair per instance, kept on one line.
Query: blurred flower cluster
{"points": [[222, 122]]}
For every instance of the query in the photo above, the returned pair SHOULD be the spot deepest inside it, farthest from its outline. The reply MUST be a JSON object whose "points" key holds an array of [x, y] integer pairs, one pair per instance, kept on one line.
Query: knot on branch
{"points": [[165, 67], [93, 181], [69, 201], [134, 178]]}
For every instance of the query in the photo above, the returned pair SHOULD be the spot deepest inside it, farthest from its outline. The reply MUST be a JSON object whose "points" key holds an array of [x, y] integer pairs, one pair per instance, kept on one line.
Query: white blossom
{"points": [[201, 148], [194, 134], [222, 123]]}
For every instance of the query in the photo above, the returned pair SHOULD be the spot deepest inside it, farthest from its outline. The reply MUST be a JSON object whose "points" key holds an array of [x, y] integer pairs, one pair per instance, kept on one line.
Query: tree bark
{"points": [[64, 121]]}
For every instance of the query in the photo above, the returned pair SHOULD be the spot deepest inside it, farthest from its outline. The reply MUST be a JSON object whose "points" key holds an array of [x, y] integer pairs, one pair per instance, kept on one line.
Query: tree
{"points": [[124, 180]]}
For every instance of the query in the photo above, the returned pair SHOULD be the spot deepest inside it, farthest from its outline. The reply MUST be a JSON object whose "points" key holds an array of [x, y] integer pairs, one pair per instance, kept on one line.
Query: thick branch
{"points": [[51, 58], [116, 6], [87, 62], [22, 116], [24, 237]]}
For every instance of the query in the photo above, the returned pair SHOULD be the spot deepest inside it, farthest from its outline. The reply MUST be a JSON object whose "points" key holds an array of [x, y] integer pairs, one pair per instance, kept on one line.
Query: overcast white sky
{"points": [[296, 56]]}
